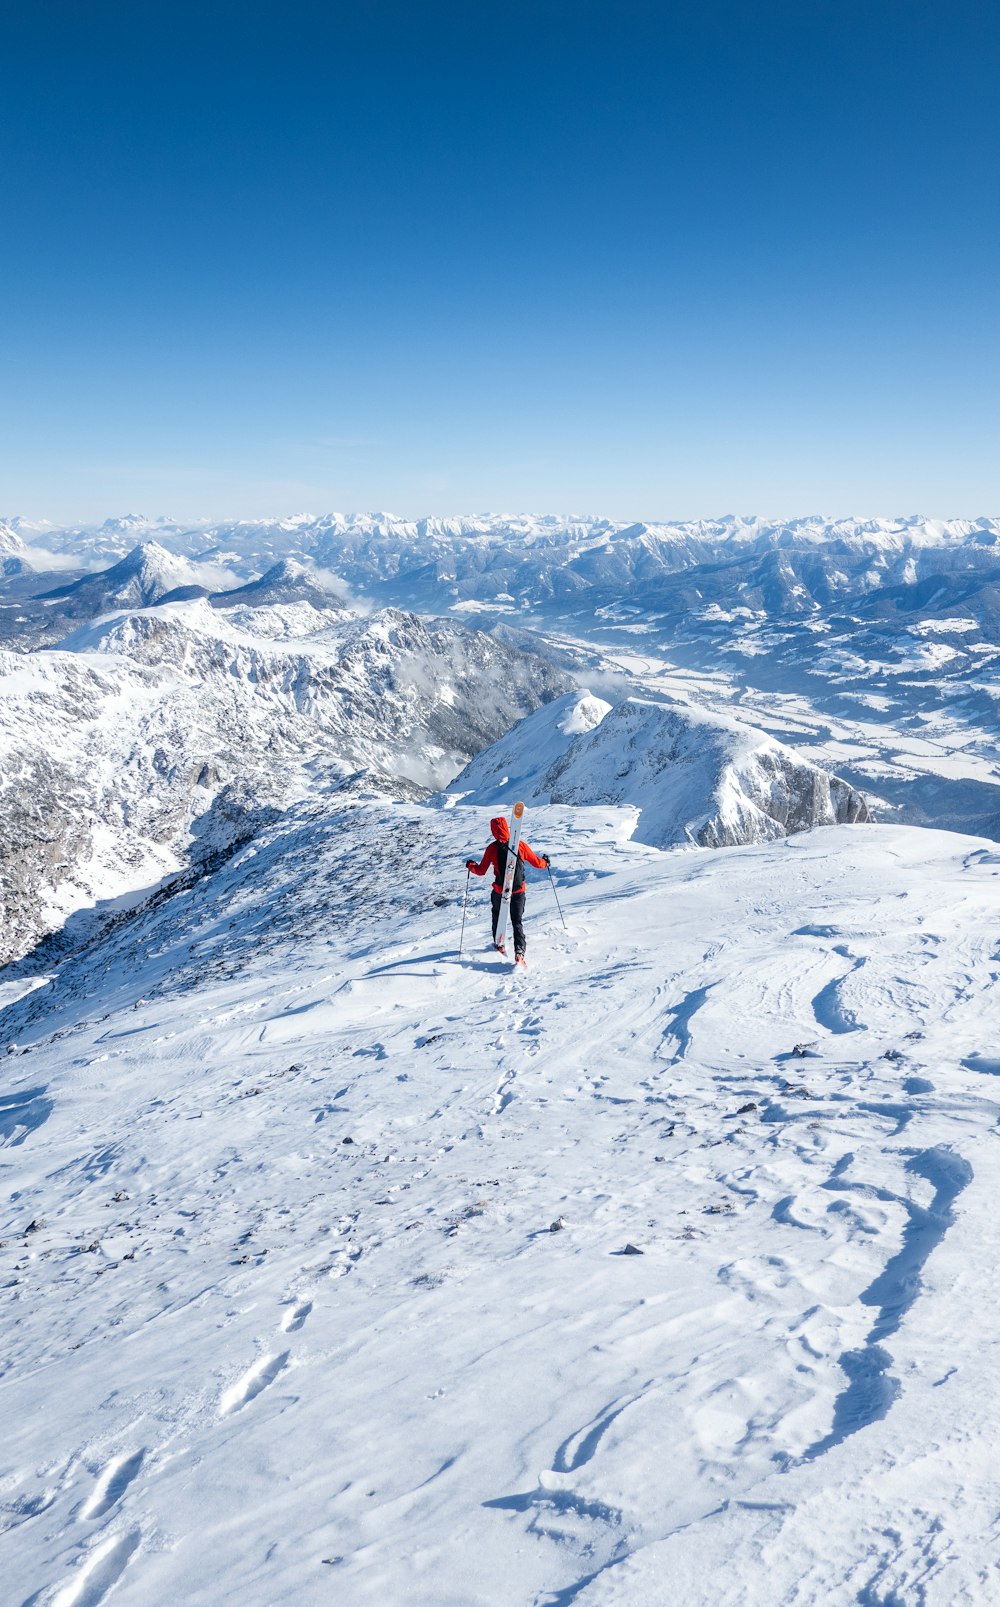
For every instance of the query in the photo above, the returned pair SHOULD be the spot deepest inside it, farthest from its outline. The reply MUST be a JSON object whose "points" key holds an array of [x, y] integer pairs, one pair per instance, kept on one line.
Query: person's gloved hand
{"points": [[470, 864], [545, 860]]}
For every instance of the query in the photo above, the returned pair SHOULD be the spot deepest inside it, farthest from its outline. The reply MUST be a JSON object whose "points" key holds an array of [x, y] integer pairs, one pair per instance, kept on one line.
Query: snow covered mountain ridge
{"points": [[691, 775], [790, 569], [163, 734], [817, 529], [377, 544]]}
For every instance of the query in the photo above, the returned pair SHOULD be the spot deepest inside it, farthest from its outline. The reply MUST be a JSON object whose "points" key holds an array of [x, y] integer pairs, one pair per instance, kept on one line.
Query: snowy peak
{"points": [[288, 581], [146, 576], [694, 776], [130, 524], [13, 552], [11, 545], [523, 761], [149, 575]]}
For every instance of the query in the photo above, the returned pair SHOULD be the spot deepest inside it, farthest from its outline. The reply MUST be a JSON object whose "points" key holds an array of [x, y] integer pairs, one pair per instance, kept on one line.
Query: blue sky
{"points": [[640, 259]]}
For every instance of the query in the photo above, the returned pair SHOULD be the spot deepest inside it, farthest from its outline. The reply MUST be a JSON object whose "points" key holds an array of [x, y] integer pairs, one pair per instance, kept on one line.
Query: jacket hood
{"points": [[500, 829]]}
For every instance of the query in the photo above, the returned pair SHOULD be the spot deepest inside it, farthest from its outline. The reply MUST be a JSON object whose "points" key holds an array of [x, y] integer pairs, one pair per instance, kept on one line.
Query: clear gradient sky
{"points": [[642, 259]]}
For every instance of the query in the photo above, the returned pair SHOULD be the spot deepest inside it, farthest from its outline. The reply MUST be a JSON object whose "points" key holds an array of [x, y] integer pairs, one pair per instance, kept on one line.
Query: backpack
{"points": [[518, 882]]}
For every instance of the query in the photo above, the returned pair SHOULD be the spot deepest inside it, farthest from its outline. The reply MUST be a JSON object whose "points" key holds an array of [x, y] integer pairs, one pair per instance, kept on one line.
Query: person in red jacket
{"points": [[495, 859]]}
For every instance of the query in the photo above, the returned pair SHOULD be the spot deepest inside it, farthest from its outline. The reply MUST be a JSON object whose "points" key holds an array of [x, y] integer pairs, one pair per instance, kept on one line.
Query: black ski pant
{"points": [[516, 918]]}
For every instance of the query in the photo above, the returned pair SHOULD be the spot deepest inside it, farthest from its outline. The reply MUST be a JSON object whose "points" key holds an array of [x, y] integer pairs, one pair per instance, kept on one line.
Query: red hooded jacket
{"points": [[501, 834]]}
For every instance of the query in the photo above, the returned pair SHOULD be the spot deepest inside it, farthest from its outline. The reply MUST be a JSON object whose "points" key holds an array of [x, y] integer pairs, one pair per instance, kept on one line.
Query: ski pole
{"points": [[464, 903], [555, 895]]}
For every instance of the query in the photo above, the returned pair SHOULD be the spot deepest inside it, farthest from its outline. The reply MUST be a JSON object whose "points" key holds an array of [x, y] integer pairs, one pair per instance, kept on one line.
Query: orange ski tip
{"points": [[518, 810]]}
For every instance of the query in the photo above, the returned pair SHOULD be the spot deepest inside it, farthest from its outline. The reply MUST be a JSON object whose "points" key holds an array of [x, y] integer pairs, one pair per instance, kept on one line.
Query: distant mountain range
{"points": [[890, 567], [149, 576], [883, 571]]}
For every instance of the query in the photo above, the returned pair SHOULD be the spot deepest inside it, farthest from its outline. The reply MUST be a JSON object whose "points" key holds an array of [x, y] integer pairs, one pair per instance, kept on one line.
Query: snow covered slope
{"points": [[167, 732], [694, 775], [519, 764], [11, 544], [317, 1283]]}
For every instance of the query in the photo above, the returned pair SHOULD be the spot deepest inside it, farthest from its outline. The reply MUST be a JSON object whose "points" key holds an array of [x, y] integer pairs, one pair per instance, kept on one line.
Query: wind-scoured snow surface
{"points": [[284, 1316], [694, 776]]}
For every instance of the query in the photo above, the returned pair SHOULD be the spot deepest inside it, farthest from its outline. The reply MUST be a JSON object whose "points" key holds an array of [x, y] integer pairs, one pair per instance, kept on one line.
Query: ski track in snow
{"points": [[312, 1268], [101, 1570]]}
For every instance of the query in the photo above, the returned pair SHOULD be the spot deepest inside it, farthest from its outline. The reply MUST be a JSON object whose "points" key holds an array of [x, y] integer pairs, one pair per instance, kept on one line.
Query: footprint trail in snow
{"points": [[329, 1263]]}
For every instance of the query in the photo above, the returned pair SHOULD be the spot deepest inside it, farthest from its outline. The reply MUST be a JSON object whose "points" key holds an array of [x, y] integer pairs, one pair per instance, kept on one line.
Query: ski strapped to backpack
{"points": [[509, 873]]}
